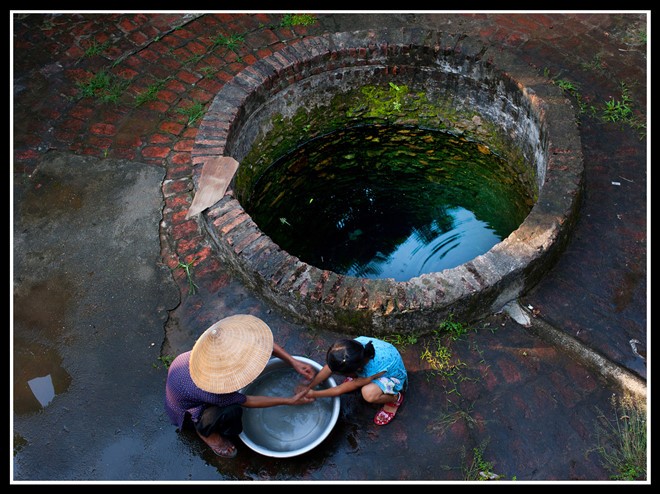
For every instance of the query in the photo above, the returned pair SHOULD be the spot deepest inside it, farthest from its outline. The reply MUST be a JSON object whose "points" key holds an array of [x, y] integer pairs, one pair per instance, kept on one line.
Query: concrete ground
{"points": [[101, 185]]}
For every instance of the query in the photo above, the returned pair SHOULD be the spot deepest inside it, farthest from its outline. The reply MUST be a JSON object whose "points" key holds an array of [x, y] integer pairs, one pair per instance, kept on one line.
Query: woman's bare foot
{"points": [[220, 446]]}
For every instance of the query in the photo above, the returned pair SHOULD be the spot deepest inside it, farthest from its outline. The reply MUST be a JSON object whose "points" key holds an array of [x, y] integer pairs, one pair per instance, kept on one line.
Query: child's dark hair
{"points": [[347, 356]]}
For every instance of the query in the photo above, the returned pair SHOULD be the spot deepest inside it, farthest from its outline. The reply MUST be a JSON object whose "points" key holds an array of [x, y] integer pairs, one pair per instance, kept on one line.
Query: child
{"points": [[373, 366]]}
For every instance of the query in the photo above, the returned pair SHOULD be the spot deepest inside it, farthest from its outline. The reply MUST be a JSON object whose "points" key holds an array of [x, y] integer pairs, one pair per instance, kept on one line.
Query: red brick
{"points": [[75, 52], [187, 77], [124, 153], [176, 187], [155, 152], [181, 54], [100, 142], [264, 52], [27, 154], [176, 86], [184, 145], [189, 244], [171, 127], [510, 372], [249, 59], [210, 85], [81, 112], [167, 96], [178, 202], [72, 124], [196, 48], [204, 253], [157, 106], [127, 26], [138, 38], [201, 95], [185, 230], [149, 55], [190, 133], [102, 129], [160, 139]]}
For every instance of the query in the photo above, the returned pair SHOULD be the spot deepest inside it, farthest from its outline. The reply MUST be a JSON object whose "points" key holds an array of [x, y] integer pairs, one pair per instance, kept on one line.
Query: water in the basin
{"points": [[388, 202], [285, 428]]}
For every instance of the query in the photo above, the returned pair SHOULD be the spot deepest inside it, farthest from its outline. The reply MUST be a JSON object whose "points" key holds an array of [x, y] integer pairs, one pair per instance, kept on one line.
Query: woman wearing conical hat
{"points": [[202, 388]]}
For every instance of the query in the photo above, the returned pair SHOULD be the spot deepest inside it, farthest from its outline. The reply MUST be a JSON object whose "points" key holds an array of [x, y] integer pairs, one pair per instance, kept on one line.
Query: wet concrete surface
{"points": [[100, 193]]}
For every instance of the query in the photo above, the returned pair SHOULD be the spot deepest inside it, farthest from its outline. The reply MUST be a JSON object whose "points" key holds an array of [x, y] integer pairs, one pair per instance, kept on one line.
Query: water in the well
{"points": [[285, 428], [388, 201]]}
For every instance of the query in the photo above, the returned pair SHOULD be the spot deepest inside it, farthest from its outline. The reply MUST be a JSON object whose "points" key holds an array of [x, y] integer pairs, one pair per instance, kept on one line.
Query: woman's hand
{"points": [[305, 370], [301, 398], [301, 368]]}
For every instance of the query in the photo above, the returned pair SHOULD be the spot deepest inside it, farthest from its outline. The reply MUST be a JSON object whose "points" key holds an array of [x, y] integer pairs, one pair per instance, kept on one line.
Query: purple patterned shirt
{"points": [[182, 395]]}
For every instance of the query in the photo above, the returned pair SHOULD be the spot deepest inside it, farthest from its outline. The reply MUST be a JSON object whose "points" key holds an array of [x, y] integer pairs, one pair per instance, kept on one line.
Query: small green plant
{"points": [[618, 110], [401, 340], [192, 287], [455, 329], [622, 441], [613, 111], [642, 37], [635, 36], [567, 86], [479, 468], [439, 358], [396, 103], [194, 58], [289, 20], [151, 93], [165, 360], [596, 63], [104, 86], [229, 42], [96, 48], [572, 89], [450, 418], [208, 71], [193, 112], [621, 111]]}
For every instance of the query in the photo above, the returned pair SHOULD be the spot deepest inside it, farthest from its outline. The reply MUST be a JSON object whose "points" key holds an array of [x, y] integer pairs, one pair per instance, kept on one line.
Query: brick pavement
{"points": [[157, 68]]}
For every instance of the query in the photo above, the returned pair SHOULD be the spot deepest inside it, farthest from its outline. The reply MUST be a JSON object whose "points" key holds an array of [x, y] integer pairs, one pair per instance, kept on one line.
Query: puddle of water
{"points": [[42, 305], [39, 315], [388, 202], [50, 198], [38, 376], [42, 389]]}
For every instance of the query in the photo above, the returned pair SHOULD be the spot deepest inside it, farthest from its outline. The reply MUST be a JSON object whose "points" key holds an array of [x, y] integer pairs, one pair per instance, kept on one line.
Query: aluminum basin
{"points": [[285, 431]]}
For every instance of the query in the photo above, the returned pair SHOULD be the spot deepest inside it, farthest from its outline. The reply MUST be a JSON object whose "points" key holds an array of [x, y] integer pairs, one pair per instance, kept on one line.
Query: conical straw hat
{"points": [[231, 354]]}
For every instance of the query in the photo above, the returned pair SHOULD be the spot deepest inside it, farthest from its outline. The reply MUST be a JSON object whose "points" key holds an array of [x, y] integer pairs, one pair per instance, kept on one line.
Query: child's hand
{"points": [[301, 398], [301, 387]]}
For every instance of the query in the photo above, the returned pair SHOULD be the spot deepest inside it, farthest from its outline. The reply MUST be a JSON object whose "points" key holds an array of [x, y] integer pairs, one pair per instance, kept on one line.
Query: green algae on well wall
{"points": [[379, 104]]}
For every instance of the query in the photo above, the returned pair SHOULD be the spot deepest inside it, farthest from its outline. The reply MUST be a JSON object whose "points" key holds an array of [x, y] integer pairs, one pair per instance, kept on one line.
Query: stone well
{"points": [[440, 81]]}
